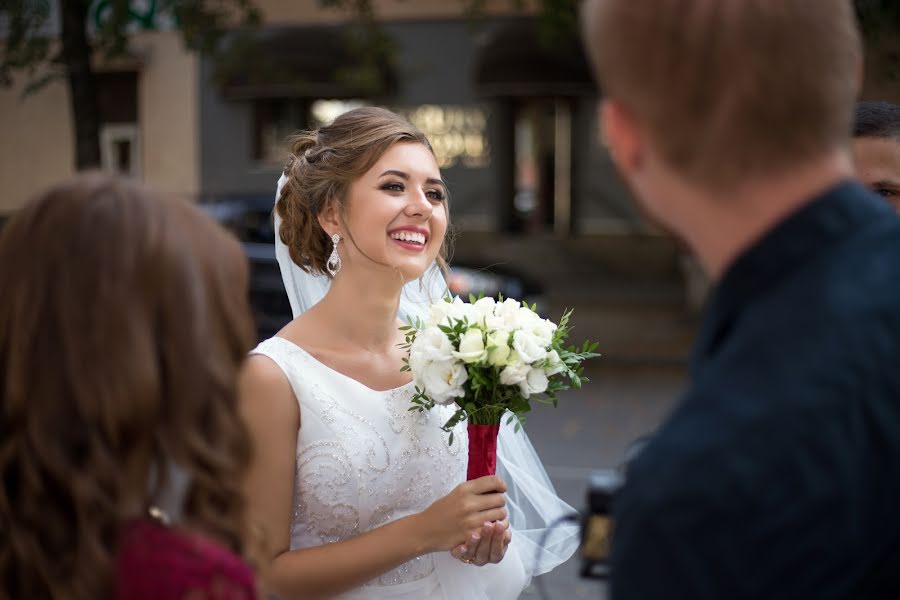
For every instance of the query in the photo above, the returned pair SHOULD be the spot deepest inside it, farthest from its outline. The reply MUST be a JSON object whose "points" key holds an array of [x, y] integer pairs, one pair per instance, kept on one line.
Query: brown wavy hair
{"points": [[322, 166], [123, 322]]}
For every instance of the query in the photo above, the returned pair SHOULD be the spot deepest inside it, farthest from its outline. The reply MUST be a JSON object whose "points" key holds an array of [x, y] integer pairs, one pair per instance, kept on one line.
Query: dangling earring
{"points": [[334, 261]]}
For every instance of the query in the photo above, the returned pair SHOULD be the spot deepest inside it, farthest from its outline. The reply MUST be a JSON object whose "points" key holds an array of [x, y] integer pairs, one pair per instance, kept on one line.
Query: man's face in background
{"points": [[878, 166]]}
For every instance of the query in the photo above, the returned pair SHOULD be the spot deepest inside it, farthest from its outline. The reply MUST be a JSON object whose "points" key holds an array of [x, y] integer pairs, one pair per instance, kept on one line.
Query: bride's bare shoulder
{"points": [[265, 395], [306, 331]]}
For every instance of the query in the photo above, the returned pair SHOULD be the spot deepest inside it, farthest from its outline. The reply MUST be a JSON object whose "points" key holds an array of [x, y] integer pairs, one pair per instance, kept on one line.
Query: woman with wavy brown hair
{"points": [[123, 323]]}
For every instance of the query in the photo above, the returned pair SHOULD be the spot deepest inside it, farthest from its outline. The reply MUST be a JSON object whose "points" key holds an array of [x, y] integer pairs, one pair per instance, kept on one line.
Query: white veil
{"points": [[540, 540]]}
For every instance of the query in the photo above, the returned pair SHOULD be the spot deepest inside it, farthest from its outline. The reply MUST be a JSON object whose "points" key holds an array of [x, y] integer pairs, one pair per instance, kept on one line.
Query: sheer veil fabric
{"points": [[532, 502]]}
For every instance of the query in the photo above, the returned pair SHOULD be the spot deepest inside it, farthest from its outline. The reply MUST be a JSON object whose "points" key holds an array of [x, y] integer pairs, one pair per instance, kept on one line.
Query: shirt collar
{"points": [[835, 214]]}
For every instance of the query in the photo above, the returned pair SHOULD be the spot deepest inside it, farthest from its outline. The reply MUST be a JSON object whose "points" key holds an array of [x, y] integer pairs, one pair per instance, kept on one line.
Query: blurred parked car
{"points": [[465, 279], [250, 219]]}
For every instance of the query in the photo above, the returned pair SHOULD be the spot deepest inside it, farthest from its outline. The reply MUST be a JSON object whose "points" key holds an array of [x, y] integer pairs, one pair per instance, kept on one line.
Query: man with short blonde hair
{"points": [[767, 84], [776, 476]]}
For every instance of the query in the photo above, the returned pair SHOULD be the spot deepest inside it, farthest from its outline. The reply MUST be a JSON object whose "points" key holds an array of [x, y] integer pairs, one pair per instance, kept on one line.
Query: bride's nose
{"points": [[419, 205]]}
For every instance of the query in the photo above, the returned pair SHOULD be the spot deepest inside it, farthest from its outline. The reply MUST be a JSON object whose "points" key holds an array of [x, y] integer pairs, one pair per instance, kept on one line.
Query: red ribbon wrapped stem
{"points": [[482, 450]]}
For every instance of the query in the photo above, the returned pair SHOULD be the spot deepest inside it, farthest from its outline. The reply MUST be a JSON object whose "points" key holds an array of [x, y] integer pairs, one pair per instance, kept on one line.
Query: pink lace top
{"points": [[163, 563]]}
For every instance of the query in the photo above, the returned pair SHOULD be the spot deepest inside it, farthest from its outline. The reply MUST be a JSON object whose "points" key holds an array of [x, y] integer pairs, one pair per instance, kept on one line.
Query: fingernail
{"points": [[475, 537], [463, 549]]}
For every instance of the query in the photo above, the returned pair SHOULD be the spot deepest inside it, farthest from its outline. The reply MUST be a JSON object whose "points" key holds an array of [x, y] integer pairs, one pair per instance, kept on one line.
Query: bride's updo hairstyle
{"points": [[322, 166]]}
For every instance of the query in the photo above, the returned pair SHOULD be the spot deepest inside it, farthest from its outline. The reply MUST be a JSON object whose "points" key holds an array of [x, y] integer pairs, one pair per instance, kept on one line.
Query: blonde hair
{"points": [[322, 166], [731, 88]]}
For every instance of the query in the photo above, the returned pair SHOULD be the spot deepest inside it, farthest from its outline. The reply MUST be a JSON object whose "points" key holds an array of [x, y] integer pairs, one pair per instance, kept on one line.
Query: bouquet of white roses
{"points": [[490, 357]]}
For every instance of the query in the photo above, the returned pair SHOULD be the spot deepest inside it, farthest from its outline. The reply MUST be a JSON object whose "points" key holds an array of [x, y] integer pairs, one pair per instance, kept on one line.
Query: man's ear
{"points": [[330, 219], [620, 134]]}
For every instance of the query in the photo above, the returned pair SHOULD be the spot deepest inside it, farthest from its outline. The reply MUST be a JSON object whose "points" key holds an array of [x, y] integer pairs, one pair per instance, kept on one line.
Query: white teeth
{"points": [[409, 236]]}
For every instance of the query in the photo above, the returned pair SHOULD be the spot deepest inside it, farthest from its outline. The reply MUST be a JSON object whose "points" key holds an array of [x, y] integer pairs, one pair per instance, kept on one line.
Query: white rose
{"points": [[535, 383], [498, 347], [554, 364], [460, 310], [485, 309], [527, 317], [433, 345], [493, 322], [417, 364], [443, 381], [529, 347], [514, 373], [543, 330], [437, 313], [471, 347], [508, 313]]}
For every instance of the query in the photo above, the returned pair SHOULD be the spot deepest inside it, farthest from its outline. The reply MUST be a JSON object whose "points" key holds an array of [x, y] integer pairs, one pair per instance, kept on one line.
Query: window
{"points": [[276, 119], [279, 118], [457, 133], [120, 149], [117, 95], [322, 112], [543, 166]]}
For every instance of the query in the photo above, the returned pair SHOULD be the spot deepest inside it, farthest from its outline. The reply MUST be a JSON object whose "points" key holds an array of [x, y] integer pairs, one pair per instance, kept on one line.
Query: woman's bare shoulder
{"points": [[265, 391]]}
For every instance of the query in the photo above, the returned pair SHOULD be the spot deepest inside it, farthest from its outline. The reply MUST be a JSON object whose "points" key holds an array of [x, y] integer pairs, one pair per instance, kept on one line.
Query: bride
{"points": [[354, 495]]}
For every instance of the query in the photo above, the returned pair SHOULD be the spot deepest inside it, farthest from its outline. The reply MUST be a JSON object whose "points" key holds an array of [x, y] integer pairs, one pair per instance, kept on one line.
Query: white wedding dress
{"points": [[363, 460]]}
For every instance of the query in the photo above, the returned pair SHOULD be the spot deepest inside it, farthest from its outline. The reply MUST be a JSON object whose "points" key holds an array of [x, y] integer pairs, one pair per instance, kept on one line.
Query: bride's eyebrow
{"points": [[405, 176]]}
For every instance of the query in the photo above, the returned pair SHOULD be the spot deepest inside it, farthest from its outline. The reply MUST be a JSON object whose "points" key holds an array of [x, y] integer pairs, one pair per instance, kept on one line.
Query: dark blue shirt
{"points": [[778, 475]]}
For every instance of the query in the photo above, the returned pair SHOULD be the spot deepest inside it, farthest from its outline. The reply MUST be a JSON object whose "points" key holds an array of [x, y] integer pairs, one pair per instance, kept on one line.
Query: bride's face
{"points": [[397, 212]]}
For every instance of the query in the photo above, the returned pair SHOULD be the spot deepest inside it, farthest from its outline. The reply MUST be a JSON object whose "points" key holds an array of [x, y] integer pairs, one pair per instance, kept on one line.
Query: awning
{"points": [[309, 62], [514, 61]]}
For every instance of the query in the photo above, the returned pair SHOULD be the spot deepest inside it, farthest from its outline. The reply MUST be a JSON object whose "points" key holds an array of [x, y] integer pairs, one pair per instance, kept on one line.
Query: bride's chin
{"points": [[411, 272], [410, 275]]}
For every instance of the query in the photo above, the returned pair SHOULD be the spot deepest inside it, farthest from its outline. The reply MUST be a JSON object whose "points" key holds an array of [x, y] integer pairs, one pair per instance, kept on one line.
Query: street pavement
{"points": [[591, 429]]}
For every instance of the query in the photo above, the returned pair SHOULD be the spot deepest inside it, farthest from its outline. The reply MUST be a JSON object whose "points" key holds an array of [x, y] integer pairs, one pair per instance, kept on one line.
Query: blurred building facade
{"points": [[512, 119], [149, 111]]}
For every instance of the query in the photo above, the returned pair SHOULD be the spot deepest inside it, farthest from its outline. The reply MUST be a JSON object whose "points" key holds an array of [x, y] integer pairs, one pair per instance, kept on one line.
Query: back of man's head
{"points": [[730, 89]]}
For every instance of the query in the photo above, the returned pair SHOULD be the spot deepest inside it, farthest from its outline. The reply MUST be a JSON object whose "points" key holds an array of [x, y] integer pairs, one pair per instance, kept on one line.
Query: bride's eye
{"points": [[392, 187], [436, 195]]}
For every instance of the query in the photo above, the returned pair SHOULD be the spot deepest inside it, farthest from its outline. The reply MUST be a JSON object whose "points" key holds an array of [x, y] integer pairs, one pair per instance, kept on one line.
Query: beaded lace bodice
{"points": [[363, 459]]}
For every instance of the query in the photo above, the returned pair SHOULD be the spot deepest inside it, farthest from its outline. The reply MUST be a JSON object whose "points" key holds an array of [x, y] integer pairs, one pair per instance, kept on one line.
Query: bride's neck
{"points": [[364, 313]]}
